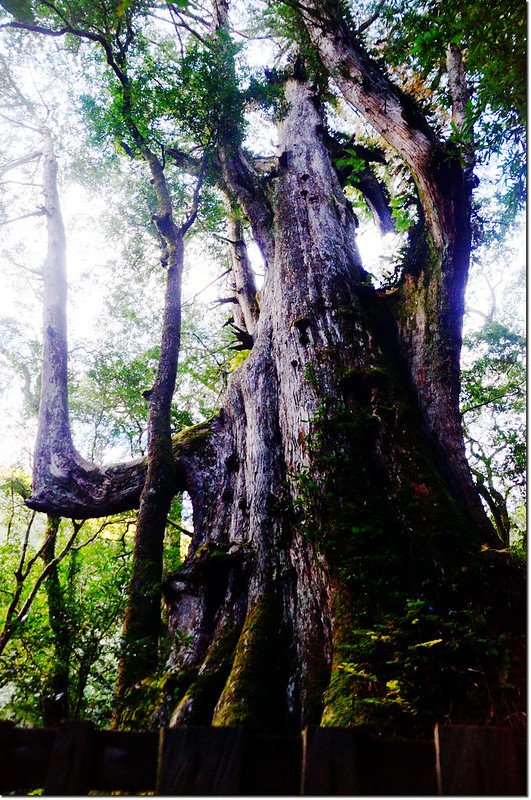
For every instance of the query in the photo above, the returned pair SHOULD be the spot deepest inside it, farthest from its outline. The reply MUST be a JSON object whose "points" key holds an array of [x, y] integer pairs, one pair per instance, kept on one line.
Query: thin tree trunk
{"points": [[139, 658], [246, 307], [54, 451], [461, 110], [56, 701]]}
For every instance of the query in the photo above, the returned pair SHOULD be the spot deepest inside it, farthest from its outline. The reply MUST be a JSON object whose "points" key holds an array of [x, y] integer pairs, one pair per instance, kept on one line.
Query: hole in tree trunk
{"points": [[187, 520]]}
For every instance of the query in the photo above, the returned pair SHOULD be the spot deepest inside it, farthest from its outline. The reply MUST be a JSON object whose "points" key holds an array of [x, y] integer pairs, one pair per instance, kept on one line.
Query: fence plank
{"points": [[7, 737], [199, 760], [205, 761], [24, 758], [71, 763], [480, 761], [271, 765], [339, 761], [125, 761], [400, 768], [332, 760]]}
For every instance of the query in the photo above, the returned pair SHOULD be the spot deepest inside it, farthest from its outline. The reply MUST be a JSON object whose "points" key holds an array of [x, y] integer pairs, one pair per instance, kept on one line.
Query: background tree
{"points": [[67, 637], [493, 402]]}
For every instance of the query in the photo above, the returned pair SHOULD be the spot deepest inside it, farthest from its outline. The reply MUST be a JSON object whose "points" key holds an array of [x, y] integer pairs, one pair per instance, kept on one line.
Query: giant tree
{"points": [[342, 568]]}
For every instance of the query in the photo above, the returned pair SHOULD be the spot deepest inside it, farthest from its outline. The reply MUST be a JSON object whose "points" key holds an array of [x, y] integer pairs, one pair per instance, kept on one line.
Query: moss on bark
{"points": [[251, 694]]}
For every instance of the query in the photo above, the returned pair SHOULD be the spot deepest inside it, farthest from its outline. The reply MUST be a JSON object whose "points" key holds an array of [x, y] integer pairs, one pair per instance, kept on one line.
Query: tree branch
{"points": [[80, 33], [39, 213], [19, 161], [12, 621], [88, 491], [195, 202]]}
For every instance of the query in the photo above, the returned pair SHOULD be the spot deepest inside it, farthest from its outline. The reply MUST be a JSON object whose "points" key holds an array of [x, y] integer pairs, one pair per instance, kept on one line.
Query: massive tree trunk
{"points": [[325, 521], [429, 306]]}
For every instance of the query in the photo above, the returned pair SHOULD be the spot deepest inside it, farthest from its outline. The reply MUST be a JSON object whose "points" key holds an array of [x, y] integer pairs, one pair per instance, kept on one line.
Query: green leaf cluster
{"points": [[493, 39], [206, 96]]}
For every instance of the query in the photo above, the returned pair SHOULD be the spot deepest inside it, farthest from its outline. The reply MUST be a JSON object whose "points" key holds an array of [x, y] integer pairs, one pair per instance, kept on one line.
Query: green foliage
{"points": [[401, 213], [493, 38], [282, 21], [110, 399], [352, 160], [423, 657], [267, 95], [92, 577], [198, 95], [498, 371], [20, 9], [206, 97], [493, 408]]}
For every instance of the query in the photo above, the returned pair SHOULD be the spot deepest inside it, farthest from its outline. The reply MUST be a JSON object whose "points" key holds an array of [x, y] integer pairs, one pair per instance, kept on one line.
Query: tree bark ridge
{"points": [[429, 306]]}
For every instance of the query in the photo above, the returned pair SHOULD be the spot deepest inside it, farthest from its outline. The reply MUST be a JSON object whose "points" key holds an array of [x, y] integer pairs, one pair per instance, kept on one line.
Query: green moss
{"points": [[192, 437], [238, 359], [202, 689], [209, 550], [414, 626], [149, 703], [251, 694], [345, 311], [310, 374], [201, 697]]}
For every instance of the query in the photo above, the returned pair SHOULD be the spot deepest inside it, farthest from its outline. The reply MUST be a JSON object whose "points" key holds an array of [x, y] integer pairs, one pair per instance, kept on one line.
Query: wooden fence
{"points": [[76, 759]]}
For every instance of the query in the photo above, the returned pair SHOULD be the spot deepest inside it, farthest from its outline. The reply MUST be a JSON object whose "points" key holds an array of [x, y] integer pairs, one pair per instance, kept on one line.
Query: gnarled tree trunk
{"points": [[323, 513]]}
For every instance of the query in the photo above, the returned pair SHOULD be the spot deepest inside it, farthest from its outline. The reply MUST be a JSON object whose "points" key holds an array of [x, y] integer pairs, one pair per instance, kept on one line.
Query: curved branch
{"points": [[377, 198], [79, 32], [64, 483], [392, 113], [428, 308], [87, 491], [17, 162]]}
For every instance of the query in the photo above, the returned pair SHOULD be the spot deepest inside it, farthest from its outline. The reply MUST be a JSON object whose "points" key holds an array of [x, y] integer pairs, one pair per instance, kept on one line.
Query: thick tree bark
{"points": [[429, 306], [322, 510], [340, 570]]}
